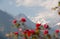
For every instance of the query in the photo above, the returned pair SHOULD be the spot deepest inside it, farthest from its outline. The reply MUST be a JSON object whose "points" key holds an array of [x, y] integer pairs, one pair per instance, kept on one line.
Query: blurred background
{"points": [[33, 10]]}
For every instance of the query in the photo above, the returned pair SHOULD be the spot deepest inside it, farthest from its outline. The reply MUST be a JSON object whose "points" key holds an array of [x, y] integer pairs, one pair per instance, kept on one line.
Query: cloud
{"points": [[43, 15], [10, 2], [52, 18], [46, 16], [28, 2], [32, 3], [50, 3], [58, 24]]}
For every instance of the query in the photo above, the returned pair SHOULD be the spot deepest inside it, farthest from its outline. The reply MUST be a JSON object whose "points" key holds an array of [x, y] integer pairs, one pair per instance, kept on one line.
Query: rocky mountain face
{"points": [[5, 23]]}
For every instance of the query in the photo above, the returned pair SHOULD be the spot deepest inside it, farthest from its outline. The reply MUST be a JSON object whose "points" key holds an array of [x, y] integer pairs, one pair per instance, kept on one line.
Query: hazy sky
{"points": [[34, 9], [12, 7]]}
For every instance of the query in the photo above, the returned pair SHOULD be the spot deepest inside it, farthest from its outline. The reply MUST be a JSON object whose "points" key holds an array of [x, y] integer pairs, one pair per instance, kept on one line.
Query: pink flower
{"points": [[29, 33], [20, 29], [37, 24], [16, 33], [32, 31], [24, 32], [46, 26], [14, 21], [23, 20], [57, 31], [45, 32]]}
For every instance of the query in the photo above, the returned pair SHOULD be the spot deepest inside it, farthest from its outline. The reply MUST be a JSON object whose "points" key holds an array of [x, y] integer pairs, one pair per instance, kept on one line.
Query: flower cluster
{"points": [[41, 31]]}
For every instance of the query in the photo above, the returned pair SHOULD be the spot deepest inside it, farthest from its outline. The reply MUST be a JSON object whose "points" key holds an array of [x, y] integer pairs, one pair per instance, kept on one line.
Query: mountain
{"points": [[6, 19], [56, 27], [5, 23], [29, 23]]}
